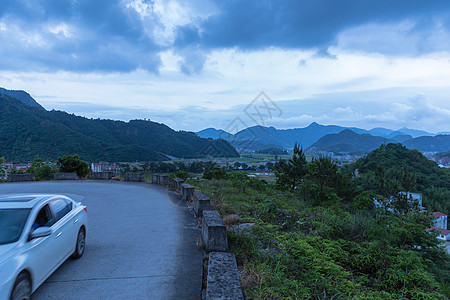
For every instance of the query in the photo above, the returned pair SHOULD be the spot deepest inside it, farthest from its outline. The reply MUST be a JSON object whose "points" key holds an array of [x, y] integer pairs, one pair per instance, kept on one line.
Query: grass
{"points": [[297, 251]]}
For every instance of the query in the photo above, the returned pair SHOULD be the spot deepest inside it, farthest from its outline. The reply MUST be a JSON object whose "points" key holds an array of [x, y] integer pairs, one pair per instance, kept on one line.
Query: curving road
{"points": [[141, 243]]}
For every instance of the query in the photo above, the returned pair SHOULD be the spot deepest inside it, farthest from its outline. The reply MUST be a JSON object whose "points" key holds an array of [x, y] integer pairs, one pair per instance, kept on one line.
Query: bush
{"points": [[214, 173]]}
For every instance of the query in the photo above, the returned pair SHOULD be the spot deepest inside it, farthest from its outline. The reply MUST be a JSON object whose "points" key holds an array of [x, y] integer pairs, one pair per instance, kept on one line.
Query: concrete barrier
{"points": [[214, 232], [163, 179], [21, 177], [176, 184], [65, 176], [187, 191], [155, 178], [101, 175], [129, 176], [223, 280], [201, 203]]}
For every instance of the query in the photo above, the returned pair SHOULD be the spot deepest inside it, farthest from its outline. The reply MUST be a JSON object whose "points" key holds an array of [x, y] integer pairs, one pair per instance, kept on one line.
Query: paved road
{"points": [[141, 243]]}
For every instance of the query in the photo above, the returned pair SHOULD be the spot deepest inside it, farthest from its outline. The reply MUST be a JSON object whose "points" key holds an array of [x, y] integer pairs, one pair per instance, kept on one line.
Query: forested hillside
{"points": [[27, 132], [382, 169]]}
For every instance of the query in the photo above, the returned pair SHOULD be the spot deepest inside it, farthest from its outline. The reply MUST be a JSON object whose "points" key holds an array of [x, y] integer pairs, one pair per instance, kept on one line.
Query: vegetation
{"points": [[26, 132], [2, 167], [383, 169], [318, 234], [73, 163], [42, 170], [272, 151]]}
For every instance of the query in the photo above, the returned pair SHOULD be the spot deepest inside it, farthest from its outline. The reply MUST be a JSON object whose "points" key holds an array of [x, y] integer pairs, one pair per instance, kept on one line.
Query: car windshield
{"points": [[12, 222]]}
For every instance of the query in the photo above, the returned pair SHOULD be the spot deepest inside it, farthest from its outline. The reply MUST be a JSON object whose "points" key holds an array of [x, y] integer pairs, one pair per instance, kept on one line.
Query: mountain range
{"points": [[330, 138], [28, 130]]}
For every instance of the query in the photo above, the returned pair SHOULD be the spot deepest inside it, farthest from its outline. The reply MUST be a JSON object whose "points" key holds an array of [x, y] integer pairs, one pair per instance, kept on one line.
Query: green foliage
{"points": [[290, 174], [392, 168], [73, 163], [364, 201], [214, 172], [2, 167], [42, 170], [321, 241], [180, 174]]}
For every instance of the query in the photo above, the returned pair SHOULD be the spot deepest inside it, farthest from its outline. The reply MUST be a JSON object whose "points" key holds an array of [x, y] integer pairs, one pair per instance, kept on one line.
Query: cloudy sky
{"points": [[203, 63]]}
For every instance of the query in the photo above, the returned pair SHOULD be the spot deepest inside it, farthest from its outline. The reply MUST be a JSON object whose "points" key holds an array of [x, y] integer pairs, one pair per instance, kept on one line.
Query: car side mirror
{"points": [[40, 232]]}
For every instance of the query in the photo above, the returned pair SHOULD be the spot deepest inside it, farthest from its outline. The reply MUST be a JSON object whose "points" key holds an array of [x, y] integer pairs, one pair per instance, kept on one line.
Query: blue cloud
{"points": [[101, 35], [300, 24], [108, 35]]}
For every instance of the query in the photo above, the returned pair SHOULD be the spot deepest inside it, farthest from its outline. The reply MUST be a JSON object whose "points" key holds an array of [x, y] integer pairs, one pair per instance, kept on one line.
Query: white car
{"points": [[37, 234]]}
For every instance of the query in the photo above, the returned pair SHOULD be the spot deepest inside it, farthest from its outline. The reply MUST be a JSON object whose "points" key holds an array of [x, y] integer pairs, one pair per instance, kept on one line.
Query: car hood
{"points": [[6, 251]]}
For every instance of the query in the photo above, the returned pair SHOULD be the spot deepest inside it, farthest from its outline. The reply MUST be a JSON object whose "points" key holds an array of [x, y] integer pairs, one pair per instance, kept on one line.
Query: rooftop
{"points": [[438, 214]]}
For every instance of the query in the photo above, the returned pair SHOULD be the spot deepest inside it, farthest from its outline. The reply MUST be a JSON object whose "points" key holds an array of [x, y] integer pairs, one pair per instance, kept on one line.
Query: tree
{"points": [[291, 173], [323, 171], [73, 163], [214, 172], [2, 166], [42, 170]]}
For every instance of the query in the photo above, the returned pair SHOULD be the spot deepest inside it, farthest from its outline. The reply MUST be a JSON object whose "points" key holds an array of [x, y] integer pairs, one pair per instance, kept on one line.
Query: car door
{"points": [[64, 227], [40, 252]]}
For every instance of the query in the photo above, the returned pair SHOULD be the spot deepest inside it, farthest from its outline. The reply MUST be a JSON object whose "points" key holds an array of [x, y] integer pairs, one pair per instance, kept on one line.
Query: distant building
{"points": [[444, 234], [105, 167], [412, 197], [96, 167], [9, 167], [414, 202], [440, 220]]}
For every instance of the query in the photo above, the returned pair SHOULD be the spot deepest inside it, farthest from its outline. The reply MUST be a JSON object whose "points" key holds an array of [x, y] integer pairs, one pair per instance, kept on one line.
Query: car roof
{"points": [[25, 200]]}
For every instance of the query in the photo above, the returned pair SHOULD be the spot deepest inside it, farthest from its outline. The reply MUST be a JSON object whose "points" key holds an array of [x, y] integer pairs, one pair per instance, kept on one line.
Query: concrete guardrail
{"points": [[187, 191], [223, 277], [201, 203], [129, 176], [176, 184], [214, 232], [101, 175], [21, 177], [65, 176]]}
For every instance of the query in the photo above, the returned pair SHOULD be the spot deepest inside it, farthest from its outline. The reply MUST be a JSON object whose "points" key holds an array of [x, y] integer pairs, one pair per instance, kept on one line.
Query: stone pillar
{"points": [[155, 178], [187, 191], [163, 179], [223, 280], [201, 203], [214, 232], [21, 177], [65, 176]]}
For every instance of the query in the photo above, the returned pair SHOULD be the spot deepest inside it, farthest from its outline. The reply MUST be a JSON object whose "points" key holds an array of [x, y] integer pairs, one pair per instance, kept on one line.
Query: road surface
{"points": [[141, 243]]}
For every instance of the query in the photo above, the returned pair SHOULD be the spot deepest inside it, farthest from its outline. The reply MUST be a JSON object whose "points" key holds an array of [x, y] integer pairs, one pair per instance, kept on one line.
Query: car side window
{"points": [[60, 207], [43, 218]]}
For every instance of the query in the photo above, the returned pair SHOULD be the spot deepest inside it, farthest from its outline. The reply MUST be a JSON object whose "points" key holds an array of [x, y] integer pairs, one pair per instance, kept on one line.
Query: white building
{"points": [[444, 234], [440, 220]]}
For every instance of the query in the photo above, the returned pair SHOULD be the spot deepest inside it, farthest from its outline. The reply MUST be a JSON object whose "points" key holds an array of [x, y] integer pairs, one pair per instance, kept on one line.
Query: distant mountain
{"points": [[214, 134], [259, 137], [380, 131], [438, 143], [30, 131], [347, 141], [413, 132], [22, 96], [401, 138]]}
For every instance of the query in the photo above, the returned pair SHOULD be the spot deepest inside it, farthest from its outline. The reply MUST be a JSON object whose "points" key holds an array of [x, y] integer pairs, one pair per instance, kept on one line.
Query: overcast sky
{"points": [[202, 63]]}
